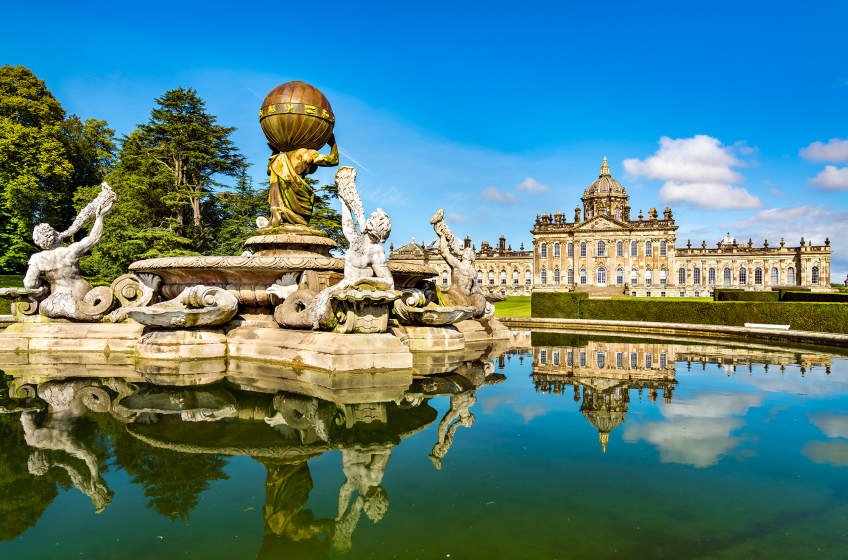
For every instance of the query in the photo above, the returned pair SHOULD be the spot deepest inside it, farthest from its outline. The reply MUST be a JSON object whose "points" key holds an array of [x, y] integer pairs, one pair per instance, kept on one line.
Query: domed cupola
{"points": [[605, 183], [606, 196]]}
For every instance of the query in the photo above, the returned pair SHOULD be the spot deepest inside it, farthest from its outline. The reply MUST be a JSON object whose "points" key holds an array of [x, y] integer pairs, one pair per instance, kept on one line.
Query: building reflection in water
{"points": [[174, 438], [606, 369]]}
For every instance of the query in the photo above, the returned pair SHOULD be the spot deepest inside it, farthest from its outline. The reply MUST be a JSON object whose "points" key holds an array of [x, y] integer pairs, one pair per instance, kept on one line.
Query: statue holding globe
{"points": [[297, 121]]}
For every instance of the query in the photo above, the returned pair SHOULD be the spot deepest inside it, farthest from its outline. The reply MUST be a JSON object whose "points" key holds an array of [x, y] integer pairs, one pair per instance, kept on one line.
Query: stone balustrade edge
{"points": [[805, 337]]}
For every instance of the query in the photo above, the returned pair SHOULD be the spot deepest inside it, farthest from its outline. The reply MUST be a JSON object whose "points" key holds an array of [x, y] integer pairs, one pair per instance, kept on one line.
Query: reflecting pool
{"points": [[562, 445]]}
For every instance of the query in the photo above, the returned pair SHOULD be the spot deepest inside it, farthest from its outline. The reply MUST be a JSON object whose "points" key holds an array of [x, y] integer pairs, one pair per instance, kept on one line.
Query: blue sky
{"points": [[735, 114]]}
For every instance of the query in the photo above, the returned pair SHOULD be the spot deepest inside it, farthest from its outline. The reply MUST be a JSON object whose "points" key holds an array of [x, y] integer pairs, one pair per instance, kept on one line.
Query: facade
{"points": [[605, 252]]}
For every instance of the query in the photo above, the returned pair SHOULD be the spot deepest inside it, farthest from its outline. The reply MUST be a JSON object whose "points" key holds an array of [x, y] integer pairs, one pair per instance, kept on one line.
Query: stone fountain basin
{"points": [[433, 316], [180, 316], [248, 277]]}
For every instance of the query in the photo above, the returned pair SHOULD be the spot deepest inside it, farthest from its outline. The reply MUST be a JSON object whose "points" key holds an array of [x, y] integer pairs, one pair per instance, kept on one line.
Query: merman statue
{"points": [[71, 296]]}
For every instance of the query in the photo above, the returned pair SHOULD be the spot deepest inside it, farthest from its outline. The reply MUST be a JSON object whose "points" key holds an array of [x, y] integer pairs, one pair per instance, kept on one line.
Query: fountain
{"points": [[286, 300]]}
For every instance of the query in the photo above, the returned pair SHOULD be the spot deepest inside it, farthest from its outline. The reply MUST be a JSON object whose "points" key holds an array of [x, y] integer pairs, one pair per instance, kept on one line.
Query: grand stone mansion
{"points": [[605, 252]]}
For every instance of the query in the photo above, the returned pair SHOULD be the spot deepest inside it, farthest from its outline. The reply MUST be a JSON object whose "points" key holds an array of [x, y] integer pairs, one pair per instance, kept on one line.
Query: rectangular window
{"points": [[569, 357], [619, 249], [543, 356], [634, 360], [632, 294], [662, 294], [662, 361], [683, 294], [619, 359], [556, 250], [647, 294], [582, 249], [583, 358], [649, 249], [544, 250], [570, 250], [556, 357], [649, 360], [634, 249]]}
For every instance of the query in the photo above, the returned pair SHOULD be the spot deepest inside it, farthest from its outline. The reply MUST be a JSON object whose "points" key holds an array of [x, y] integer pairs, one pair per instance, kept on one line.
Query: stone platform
{"points": [[418, 350]]}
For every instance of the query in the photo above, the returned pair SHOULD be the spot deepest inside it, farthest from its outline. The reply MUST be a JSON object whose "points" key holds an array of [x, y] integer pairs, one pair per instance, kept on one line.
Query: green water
{"points": [[564, 446]]}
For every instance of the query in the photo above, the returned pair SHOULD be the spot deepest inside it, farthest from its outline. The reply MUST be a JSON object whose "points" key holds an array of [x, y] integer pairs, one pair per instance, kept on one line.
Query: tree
{"points": [[44, 158], [184, 139]]}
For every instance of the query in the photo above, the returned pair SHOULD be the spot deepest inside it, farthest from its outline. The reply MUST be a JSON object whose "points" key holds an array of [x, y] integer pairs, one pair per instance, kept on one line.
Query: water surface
{"points": [[563, 446]]}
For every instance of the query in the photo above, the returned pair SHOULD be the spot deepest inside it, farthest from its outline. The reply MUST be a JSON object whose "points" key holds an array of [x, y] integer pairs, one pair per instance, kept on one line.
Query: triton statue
{"points": [[71, 296]]}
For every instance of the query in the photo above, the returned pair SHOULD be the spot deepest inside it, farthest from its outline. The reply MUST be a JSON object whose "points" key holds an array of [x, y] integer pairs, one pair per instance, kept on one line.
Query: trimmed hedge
{"points": [[787, 295], [819, 317], [745, 295]]}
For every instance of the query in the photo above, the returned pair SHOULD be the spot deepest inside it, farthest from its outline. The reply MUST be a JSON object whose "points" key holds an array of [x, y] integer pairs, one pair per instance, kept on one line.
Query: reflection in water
{"points": [[174, 429], [174, 440]]}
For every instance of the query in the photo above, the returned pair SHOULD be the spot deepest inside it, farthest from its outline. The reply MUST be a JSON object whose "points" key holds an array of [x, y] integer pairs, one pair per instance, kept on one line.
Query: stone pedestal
{"points": [[71, 337], [434, 339], [179, 344], [482, 331], [324, 350]]}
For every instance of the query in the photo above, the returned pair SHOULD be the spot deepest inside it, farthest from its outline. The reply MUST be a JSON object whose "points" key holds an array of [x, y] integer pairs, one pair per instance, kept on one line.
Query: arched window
{"points": [[662, 277], [544, 276], [491, 278], [696, 276], [444, 277], [602, 276], [479, 277], [634, 249], [570, 249], [515, 277], [556, 276], [634, 277], [790, 276], [503, 277], [711, 276], [681, 276], [727, 277], [815, 275], [602, 249], [582, 276], [570, 276], [662, 248], [556, 250], [583, 249], [649, 249], [619, 277], [648, 277], [544, 250], [619, 249], [528, 278], [743, 275], [758, 276], [774, 276]]}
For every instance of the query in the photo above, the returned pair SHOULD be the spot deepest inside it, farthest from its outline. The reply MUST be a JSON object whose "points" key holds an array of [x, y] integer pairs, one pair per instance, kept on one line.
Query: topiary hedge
{"points": [[820, 317], [745, 295], [815, 297]]}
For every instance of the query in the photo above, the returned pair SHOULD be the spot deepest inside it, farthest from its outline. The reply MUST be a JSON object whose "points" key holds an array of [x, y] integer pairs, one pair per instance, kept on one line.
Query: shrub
{"points": [[820, 317], [787, 295], [745, 295]]}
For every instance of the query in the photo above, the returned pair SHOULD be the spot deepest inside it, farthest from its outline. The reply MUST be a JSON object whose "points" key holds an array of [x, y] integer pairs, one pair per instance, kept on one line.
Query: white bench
{"points": [[765, 326]]}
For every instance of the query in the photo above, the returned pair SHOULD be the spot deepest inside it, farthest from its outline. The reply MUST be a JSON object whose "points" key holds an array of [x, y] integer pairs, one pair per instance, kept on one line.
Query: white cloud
{"points": [[532, 186], [769, 183], [832, 178], [835, 151], [530, 411], [832, 425], [697, 171], [812, 222], [778, 193], [709, 196], [493, 194], [696, 431], [821, 452]]}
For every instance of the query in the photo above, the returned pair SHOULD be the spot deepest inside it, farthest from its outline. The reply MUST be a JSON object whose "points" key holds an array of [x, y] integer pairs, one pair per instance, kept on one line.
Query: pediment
{"points": [[601, 222]]}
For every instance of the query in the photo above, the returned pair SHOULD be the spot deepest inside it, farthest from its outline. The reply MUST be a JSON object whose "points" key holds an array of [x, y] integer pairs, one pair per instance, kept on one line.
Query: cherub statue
{"points": [[364, 470], [458, 414], [365, 261], [71, 296], [290, 197], [464, 289]]}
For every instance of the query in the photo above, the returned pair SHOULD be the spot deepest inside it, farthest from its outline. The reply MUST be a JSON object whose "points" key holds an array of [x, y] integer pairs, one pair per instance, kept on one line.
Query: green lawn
{"points": [[9, 281], [514, 306]]}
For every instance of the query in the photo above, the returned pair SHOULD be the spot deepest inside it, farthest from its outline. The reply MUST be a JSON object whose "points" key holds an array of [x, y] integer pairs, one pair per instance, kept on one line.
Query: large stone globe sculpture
{"points": [[296, 115]]}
